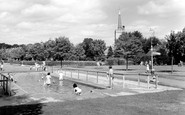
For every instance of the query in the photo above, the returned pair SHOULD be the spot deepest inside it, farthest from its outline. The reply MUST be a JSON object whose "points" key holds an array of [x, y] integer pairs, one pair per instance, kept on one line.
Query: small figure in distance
{"points": [[107, 75], [111, 77], [1, 65], [48, 79], [37, 66], [147, 68], [44, 65], [61, 75], [77, 90], [11, 78]]}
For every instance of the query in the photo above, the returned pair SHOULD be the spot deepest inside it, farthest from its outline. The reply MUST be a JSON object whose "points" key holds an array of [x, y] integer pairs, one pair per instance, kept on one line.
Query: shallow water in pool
{"points": [[33, 84]]}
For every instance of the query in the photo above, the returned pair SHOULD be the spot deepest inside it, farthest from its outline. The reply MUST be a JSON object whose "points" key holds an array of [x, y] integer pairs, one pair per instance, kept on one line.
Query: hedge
{"points": [[117, 61], [110, 61], [55, 63]]}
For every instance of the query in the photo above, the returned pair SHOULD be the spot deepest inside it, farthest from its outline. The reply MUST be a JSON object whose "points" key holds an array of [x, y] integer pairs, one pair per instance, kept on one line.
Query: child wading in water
{"points": [[11, 78], [61, 77], [48, 79], [77, 90]]}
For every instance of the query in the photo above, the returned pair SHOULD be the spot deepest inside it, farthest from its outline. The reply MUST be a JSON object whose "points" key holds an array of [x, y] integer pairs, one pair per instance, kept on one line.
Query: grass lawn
{"points": [[164, 103]]}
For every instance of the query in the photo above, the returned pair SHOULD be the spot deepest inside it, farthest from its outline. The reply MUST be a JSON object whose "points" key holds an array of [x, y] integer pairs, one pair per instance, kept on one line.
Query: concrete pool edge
{"points": [[107, 92]]}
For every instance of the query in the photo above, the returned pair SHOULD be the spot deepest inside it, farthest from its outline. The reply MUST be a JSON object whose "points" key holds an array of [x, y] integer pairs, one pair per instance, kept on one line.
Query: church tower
{"points": [[120, 28]]}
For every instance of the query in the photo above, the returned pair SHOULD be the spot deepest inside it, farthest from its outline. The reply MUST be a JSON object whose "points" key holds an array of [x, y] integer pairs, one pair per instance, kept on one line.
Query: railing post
{"points": [[123, 81], [78, 74], [110, 81], [7, 91], [87, 76], [139, 80], [156, 81], [97, 77], [71, 73], [1, 79], [148, 79], [3, 84]]}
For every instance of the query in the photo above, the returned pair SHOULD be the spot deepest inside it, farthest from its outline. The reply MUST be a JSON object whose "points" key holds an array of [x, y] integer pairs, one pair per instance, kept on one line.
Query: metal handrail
{"points": [[91, 72], [148, 79], [6, 84], [96, 73]]}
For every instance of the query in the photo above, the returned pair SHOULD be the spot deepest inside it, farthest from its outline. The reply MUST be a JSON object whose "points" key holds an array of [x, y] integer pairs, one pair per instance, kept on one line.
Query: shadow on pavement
{"points": [[26, 109]]}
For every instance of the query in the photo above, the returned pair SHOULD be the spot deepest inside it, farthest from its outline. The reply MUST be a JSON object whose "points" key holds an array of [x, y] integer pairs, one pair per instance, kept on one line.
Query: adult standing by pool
{"points": [[147, 68], [1, 65], [111, 77], [44, 65]]}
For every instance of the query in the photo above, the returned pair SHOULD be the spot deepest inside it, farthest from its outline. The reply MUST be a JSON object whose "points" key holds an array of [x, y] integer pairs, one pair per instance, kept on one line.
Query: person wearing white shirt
{"points": [[111, 77], [77, 90], [48, 79], [61, 75]]}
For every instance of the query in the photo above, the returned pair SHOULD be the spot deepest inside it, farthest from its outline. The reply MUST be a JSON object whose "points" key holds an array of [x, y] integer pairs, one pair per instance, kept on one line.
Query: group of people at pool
{"points": [[37, 66], [77, 90], [48, 82]]}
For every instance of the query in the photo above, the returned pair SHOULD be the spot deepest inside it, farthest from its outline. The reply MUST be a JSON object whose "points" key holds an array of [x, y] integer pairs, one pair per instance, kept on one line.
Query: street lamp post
{"points": [[152, 70], [152, 58]]}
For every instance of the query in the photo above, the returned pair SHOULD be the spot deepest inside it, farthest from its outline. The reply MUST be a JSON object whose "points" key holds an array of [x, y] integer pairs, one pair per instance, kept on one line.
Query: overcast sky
{"points": [[31, 21]]}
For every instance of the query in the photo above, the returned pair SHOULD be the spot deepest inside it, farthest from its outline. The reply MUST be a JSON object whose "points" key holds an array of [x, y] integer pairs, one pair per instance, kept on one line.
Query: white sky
{"points": [[31, 21]]}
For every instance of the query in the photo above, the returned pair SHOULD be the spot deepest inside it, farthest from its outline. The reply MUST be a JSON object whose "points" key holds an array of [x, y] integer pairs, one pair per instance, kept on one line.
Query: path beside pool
{"points": [[128, 88]]}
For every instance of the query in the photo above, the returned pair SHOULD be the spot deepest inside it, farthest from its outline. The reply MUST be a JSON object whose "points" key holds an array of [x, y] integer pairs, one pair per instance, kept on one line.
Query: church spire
{"points": [[120, 28], [119, 21]]}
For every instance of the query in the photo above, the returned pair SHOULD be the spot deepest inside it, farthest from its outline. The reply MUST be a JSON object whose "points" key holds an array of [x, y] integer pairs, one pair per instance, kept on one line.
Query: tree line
{"points": [[58, 49], [132, 46]]}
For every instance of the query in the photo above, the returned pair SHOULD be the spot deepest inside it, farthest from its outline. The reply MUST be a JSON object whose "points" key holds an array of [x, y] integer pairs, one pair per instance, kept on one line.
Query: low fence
{"points": [[149, 76], [98, 75], [87, 73], [5, 84]]}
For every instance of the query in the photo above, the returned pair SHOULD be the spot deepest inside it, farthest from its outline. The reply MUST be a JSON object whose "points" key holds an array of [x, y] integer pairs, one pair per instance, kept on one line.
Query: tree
{"points": [[99, 48], [79, 52], [88, 47], [3, 54], [172, 46], [37, 51], [5, 46], [128, 46], [181, 45], [16, 53], [110, 52], [146, 43], [163, 58], [137, 34], [27, 49], [49, 49], [62, 48]]}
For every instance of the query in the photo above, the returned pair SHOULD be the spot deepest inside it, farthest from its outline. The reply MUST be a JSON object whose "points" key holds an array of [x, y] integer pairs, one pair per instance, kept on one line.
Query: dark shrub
{"points": [[56, 63]]}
